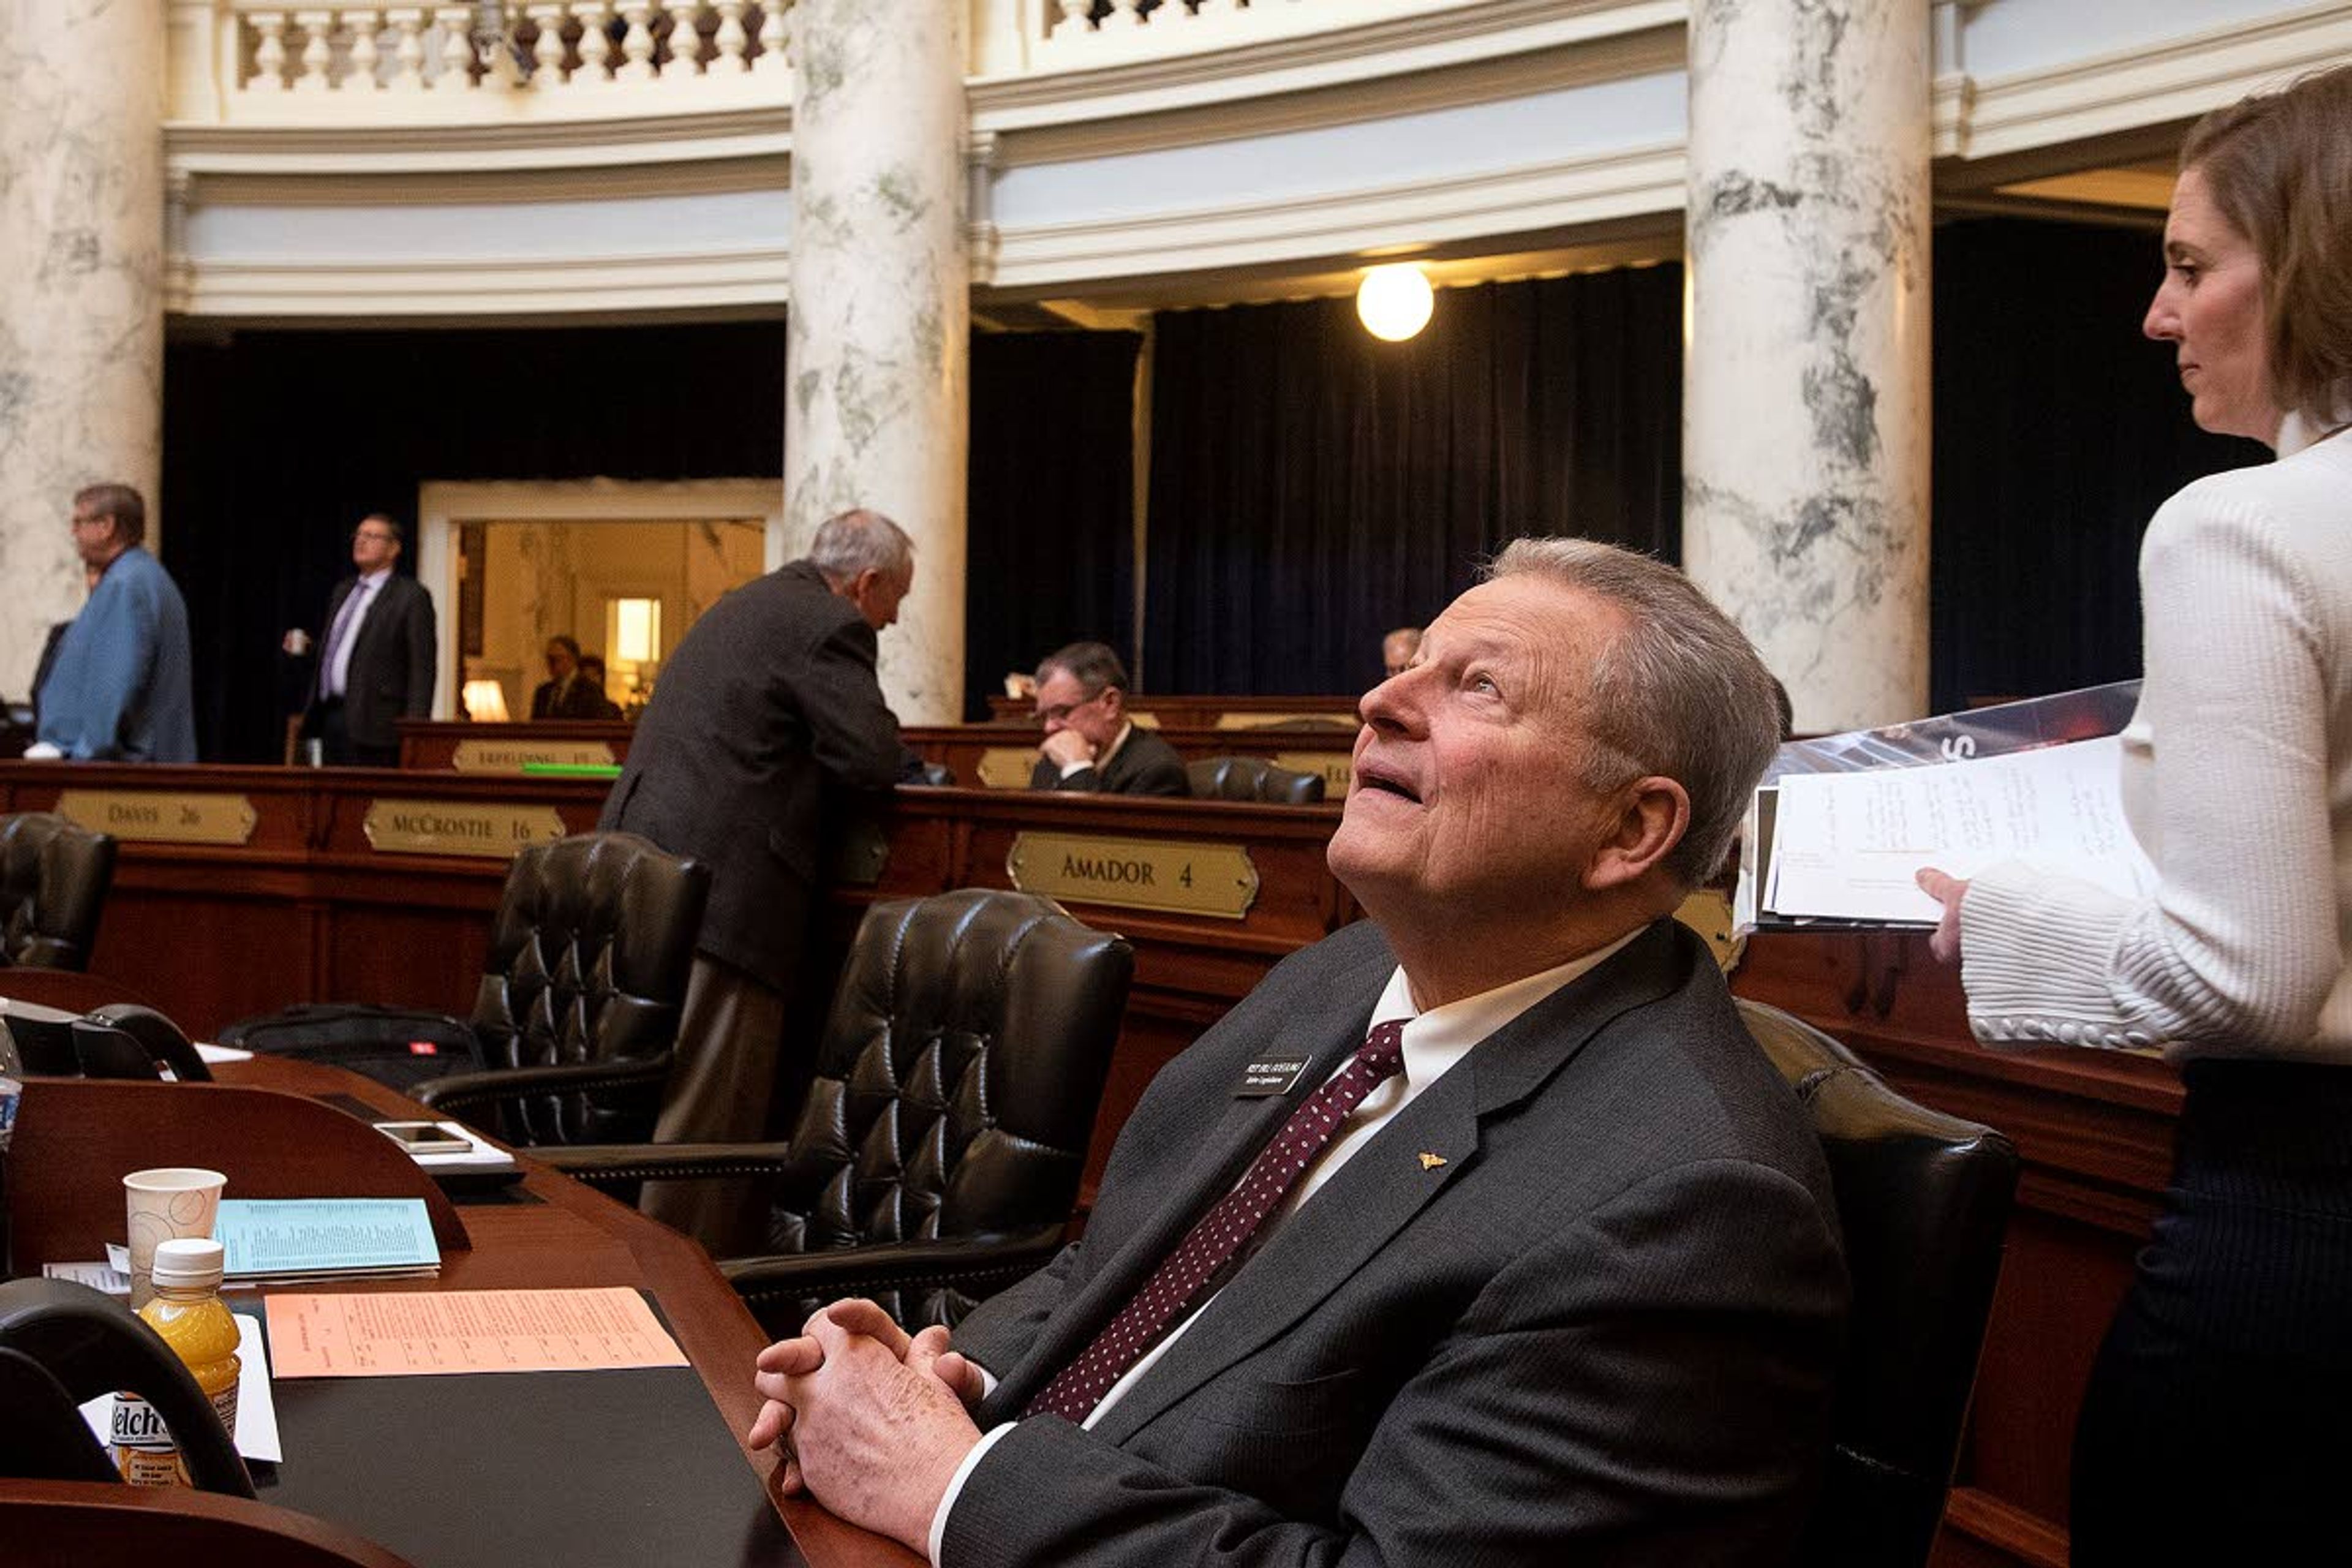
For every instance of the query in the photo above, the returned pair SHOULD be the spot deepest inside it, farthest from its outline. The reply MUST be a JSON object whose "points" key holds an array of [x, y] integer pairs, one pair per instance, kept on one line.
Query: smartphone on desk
{"points": [[423, 1137]]}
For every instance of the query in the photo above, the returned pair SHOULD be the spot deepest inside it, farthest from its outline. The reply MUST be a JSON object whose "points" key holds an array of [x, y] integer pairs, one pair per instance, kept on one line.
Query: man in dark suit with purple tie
{"points": [[376, 655], [1480, 1232]]}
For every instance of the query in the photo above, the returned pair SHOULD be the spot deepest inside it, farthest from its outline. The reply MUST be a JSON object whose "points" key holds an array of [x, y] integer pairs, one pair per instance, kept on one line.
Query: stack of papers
{"points": [[1843, 825], [285, 1241]]}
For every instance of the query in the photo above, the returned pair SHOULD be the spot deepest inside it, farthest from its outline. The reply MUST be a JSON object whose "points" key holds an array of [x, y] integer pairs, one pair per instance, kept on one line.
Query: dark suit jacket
{"points": [[763, 715], [391, 673], [1602, 1331], [584, 699], [1145, 765]]}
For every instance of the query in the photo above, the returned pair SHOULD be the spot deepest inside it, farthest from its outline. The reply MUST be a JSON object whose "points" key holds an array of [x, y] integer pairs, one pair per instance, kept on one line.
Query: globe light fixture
{"points": [[1393, 301]]}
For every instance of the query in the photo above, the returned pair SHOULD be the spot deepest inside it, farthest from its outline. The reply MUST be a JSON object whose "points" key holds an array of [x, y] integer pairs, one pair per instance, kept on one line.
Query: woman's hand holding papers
{"points": [[1948, 892]]}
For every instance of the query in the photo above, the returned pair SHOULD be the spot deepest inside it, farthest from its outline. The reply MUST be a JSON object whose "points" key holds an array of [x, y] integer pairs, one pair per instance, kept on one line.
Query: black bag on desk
{"points": [[401, 1046]]}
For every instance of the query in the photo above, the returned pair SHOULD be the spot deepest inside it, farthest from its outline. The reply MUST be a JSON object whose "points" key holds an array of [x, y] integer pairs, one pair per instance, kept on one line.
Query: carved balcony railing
{"points": [[276, 63]]}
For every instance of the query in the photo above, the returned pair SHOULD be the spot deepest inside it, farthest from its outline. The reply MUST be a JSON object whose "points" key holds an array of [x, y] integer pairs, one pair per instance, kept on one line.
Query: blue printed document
{"points": [[284, 1240]]}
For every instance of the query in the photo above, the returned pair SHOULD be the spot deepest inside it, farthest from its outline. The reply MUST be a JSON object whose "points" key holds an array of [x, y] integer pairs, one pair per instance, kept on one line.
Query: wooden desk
{"points": [[283, 1143], [1000, 756], [1158, 709]]}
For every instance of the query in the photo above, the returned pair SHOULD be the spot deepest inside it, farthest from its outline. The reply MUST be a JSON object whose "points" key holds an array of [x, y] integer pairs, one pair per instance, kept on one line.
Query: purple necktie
{"points": [[1223, 1234]]}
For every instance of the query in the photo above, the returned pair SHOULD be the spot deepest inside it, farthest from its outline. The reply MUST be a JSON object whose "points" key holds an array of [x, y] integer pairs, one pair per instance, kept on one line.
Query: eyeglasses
{"points": [[379, 538], [1060, 711], [83, 520]]}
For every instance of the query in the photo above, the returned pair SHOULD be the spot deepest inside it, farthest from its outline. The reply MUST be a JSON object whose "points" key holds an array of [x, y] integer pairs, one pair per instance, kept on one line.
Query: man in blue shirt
{"points": [[119, 689]]}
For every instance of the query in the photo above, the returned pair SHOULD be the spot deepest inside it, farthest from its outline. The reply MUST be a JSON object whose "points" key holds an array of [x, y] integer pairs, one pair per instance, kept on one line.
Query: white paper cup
{"points": [[170, 1201]]}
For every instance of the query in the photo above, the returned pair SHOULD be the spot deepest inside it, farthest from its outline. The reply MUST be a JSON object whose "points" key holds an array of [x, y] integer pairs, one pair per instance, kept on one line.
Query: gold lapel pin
{"points": [[1430, 1162]]}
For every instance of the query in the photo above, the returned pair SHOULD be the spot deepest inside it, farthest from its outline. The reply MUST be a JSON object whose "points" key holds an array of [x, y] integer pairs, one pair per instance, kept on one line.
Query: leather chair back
{"points": [[588, 962], [1250, 778], [53, 879], [956, 1083], [1922, 1199]]}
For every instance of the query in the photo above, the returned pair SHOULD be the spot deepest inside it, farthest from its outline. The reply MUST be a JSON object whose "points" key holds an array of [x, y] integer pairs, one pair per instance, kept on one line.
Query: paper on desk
{"points": [[276, 1237], [1849, 845], [256, 1411], [398, 1333], [215, 1056]]}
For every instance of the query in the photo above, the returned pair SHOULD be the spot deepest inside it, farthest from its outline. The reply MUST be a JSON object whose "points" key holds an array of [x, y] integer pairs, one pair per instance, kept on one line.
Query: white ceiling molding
{"points": [[712, 279]]}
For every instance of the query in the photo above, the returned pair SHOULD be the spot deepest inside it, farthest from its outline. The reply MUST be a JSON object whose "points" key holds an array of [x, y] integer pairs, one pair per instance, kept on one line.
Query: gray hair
{"points": [[1094, 664], [1680, 693], [857, 541]]}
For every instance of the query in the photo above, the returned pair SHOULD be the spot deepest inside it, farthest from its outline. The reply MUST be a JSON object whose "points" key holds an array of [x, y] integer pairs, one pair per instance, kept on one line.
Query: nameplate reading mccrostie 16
{"points": [[458, 828], [1215, 879], [160, 816]]}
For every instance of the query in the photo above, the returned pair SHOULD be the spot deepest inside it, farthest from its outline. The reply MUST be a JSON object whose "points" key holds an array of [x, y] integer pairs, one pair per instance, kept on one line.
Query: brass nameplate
{"points": [[1337, 768], [1144, 717], [1708, 912], [1216, 880], [458, 828], [509, 756], [161, 817], [1007, 767]]}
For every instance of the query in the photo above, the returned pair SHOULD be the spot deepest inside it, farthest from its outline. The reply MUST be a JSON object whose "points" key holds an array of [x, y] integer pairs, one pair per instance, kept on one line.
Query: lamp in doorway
{"points": [[637, 645], [1395, 302], [486, 702]]}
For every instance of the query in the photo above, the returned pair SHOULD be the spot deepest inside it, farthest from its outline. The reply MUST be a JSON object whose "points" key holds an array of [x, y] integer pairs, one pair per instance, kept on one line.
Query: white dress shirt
{"points": [[1434, 1042]]}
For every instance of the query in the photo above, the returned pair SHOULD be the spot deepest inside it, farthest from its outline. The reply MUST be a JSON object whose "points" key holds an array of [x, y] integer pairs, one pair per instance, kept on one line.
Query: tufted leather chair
{"points": [[1250, 778], [1922, 1199], [580, 993], [936, 1158], [53, 879]]}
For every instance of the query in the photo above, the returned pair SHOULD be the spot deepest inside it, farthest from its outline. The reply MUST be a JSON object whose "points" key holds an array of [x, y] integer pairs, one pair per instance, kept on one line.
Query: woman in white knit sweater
{"points": [[2218, 1426]]}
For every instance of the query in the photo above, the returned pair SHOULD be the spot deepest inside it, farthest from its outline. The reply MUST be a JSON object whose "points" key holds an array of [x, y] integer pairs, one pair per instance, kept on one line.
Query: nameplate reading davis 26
{"points": [[458, 828], [1216, 880], [159, 816]]}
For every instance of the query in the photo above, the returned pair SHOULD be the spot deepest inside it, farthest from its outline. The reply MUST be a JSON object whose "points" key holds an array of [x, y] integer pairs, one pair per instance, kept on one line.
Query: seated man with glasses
{"points": [[1090, 742]]}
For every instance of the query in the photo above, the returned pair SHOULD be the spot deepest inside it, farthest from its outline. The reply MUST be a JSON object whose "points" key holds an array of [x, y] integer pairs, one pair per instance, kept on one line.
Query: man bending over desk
{"points": [[1479, 1233]]}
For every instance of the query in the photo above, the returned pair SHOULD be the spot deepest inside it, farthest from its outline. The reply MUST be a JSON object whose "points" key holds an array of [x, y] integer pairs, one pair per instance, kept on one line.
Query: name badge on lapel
{"points": [[1267, 1076]]}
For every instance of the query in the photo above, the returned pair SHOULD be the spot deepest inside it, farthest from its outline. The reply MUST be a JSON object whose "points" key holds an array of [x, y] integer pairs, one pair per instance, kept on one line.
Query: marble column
{"points": [[876, 407], [82, 312], [1805, 399]]}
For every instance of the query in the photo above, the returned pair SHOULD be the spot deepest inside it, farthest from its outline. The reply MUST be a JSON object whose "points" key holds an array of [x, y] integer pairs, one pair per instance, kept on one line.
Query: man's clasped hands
{"points": [[872, 1422]]}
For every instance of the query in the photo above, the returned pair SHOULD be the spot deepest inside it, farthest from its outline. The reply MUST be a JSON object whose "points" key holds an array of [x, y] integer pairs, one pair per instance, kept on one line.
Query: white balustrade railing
{"points": [[573, 47], [1072, 34]]}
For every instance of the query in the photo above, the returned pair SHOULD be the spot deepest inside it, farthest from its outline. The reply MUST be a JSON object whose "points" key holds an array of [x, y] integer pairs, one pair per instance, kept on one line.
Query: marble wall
{"points": [[1805, 404], [876, 392], [81, 314]]}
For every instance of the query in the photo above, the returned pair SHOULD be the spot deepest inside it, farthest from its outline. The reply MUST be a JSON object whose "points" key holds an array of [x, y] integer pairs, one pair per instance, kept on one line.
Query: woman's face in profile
{"points": [[2210, 308]]}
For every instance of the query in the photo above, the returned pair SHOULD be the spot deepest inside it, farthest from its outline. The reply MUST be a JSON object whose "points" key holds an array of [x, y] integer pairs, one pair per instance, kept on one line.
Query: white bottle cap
{"points": [[187, 1262]]}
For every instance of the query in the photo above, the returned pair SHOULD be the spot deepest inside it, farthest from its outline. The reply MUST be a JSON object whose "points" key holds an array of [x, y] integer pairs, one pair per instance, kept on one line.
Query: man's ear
{"points": [[1653, 814], [1113, 701]]}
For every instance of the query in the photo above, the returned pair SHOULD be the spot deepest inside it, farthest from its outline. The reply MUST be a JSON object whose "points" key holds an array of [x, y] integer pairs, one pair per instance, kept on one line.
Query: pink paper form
{"points": [[395, 1333]]}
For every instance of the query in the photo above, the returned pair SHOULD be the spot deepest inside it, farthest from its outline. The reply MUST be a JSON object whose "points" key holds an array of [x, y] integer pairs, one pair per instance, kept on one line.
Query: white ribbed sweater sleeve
{"points": [[2241, 946]]}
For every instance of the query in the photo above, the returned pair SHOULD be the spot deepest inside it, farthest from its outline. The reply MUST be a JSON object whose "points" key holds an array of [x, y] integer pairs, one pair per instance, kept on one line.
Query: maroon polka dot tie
{"points": [[1221, 1234]]}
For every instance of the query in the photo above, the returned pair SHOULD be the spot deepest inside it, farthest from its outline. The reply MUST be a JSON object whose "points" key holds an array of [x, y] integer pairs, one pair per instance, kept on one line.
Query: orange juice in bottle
{"points": [[189, 1315]]}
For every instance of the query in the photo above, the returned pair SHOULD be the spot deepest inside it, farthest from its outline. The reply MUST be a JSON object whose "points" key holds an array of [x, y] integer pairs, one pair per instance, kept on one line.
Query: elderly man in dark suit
{"points": [[1091, 743], [376, 656], [766, 714], [1480, 1232]]}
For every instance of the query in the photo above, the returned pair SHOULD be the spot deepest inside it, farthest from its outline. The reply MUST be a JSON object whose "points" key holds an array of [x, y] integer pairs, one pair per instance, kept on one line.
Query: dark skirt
{"points": [[2218, 1424]]}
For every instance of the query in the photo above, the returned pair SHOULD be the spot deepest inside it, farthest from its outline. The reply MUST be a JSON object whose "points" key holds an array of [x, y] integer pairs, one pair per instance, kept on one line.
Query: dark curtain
{"points": [[277, 442], [1313, 487], [2059, 430], [1051, 550]]}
